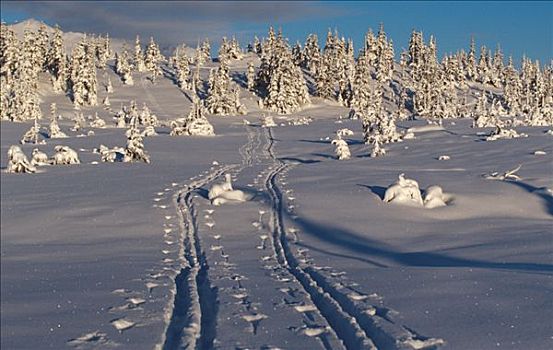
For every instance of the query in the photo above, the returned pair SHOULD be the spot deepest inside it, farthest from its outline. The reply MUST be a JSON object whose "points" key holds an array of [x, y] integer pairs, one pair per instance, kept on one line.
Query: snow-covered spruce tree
{"points": [[311, 54], [31, 136], [146, 117], [332, 70], [281, 81], [123, 67], [102, 51], [57, 62], [109, 85], [20, 68], [229, 50], [221, 96], [483, 67], [42, 43], [134, 151], [512, 88], [138, 56], [250, 76], [196, 123], [361, 89], [55, 131], [297, 54], [470, 67], [152, 60], [182, 69], [482, 118], [9, 63], [83, 75], [384, 56], [342, 149]]}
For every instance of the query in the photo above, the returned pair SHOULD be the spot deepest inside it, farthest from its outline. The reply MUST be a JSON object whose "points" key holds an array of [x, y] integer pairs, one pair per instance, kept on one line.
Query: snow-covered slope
{"points": [[136, 256]]}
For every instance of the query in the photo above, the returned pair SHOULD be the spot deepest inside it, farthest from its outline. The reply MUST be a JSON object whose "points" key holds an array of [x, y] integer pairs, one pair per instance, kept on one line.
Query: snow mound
{"points": [[407, 192]]}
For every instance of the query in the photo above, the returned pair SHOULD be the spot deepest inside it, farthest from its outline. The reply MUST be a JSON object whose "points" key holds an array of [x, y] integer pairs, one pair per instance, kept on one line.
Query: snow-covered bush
{"points": [[500, 133], [65, 156], [342, 149], [404, 191], [222, 192], [97, 122], [116, 154], [39, 158], [407, 192], [268, 121], [195, 123], [55, 131], [18, 162], [344, 132], [217, 188], [149, 131]]}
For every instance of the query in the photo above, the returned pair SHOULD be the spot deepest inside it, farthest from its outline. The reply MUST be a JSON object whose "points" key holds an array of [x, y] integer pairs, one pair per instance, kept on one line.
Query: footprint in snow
{"points": [[162, 206], [210, 224], [305, 308], [136, 301], [217, 237], [160, 193], [95, 339], [216, 247], [167, 217], [209, 211], [167, 230], [157, 199], [121, 324], [314, 331], [151, 286], [120, 291], [357, 296], [254, 320]]}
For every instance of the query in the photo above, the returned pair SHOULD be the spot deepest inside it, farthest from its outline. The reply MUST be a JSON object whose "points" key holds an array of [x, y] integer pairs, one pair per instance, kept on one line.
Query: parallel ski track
{"points": [[193, 319], [352, 321], [345, 327]]}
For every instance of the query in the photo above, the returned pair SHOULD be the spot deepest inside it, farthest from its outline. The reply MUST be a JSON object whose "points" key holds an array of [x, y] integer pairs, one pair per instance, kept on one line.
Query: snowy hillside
{"points": [[274, 197]]}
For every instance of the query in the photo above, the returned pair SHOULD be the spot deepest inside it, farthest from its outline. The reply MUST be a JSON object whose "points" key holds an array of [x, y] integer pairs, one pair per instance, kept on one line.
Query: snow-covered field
{"points": [[135, 256]]}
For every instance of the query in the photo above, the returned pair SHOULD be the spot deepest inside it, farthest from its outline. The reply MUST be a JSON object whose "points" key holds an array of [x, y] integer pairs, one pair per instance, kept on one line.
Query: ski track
{"points": [[192, 320], [352, 322], [358, 324]]}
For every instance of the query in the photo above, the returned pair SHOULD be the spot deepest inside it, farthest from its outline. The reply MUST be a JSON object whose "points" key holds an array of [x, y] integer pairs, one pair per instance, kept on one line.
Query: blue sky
{"points": [[523, 27]]}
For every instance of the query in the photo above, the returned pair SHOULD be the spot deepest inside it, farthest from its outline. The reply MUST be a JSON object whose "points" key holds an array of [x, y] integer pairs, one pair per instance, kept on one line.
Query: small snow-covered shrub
{"points": [[404, 191], [97, 122], [65, 156], [232, 196], [149, 131], [500, 133], [39, 158], [300, 121], [342, 149], [220, 187], [268, 122], [18, 162], [111, 155], [407, 192], [344, 132]]}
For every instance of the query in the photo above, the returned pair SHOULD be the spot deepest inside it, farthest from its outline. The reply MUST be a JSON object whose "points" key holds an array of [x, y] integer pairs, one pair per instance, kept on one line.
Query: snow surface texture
{"points": [[135, 255]]}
